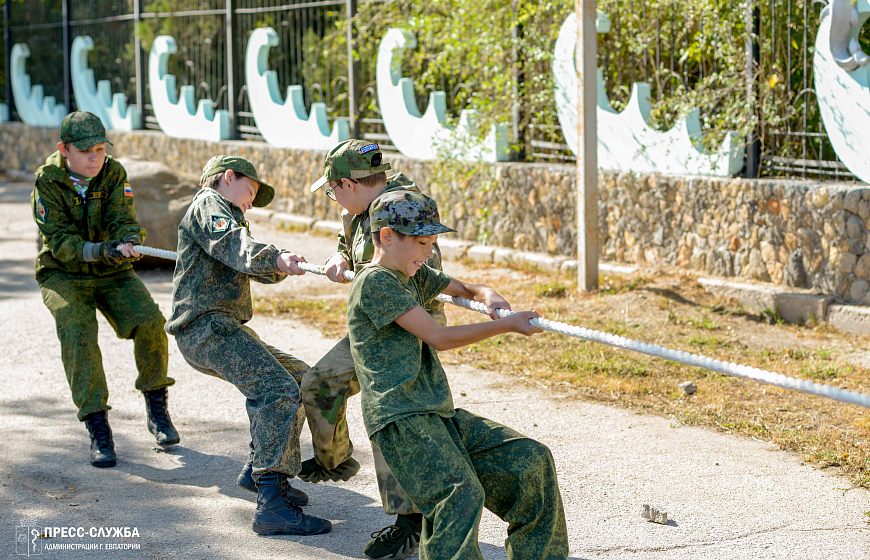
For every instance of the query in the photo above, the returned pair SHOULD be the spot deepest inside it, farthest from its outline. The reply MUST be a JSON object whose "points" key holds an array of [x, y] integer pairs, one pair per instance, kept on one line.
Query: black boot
{"points": [[159, 422], [274, 516], [245, 480], [102, 444], [398, 541]]}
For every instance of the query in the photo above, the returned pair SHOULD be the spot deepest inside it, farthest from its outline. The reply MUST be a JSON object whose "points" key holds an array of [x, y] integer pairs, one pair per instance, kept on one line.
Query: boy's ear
{"points": [[350, 185], [386, 236], [229, 175], [62, 149]]}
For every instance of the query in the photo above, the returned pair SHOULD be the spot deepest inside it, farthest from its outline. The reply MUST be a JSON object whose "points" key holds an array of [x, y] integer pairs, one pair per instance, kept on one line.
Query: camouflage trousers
{"points": [[221, 346], [125, 302], [325, 390], [454, 467]]}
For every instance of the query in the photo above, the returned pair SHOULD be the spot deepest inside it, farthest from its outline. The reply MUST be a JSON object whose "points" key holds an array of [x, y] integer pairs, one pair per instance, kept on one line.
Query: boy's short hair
{"points": [[83, 130], [213, 180], [407, 212], [376, 237], [376, 180], [352, 159], [218, 164]]}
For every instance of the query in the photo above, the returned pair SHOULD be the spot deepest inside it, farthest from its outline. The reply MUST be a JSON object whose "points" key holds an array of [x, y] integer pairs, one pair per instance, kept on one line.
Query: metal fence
{"points": [[319, 48]]}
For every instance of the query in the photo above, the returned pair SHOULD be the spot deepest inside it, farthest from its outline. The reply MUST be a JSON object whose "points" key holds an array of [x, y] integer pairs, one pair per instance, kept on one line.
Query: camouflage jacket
{"points": [[67, 223], [217, 258], [355, 240]]}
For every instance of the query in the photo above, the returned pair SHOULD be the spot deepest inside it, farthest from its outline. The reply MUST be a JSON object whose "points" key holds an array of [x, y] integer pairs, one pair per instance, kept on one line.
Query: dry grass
{"points": [[671, 310]]}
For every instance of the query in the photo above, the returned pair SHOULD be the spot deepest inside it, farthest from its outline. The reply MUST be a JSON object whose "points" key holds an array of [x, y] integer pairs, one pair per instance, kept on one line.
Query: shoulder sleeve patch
{"points": [[41, 212], [367, 149], [219, 224], [128, 191]]}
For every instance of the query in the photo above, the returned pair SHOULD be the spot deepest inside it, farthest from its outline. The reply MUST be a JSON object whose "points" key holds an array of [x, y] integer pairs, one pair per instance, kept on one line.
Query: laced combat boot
{"points": [[246, 481], [396, 542], [102, 444], [313, 472], [276, 516], [159, 422]]}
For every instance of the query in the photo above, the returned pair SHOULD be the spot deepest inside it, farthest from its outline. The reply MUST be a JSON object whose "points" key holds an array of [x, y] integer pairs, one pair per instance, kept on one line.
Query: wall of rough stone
{"points": [[797, 233]]}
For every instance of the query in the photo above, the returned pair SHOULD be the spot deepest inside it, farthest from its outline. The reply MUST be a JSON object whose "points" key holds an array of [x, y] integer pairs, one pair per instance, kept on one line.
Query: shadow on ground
{"points": [[170, 496]]}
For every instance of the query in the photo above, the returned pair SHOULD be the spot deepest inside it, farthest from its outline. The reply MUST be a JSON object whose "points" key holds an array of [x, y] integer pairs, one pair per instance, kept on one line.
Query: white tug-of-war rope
{"points": [[696, 360]]}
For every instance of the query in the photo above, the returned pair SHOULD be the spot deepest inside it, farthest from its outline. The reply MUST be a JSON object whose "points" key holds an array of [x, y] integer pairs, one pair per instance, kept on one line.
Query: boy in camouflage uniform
{"points": [[354, 174], [452, 463], [83, 207], [211, 302]]}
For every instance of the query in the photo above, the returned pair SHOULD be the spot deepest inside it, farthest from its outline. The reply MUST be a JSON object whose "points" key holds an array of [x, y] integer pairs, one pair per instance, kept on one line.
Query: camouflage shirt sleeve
{"points": [[343, 245], [221, 236], [120, 214], [59, 233]]}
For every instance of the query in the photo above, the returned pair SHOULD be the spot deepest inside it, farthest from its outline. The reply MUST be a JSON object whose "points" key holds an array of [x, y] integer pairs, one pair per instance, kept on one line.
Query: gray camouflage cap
{"points": [[352, 159], [83, 130], [407, 212], [219, 164]]}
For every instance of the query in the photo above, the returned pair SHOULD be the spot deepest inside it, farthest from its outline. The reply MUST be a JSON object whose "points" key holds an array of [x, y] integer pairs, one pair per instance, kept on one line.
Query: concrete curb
{"points": [[793, 306], [849, 318]]}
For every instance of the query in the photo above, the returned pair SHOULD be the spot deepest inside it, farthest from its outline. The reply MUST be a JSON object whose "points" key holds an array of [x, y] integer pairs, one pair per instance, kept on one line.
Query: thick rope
{"points": [[695, 360]]}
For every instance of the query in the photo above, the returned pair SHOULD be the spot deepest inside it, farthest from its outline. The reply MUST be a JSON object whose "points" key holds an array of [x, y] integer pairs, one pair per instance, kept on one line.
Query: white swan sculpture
{"points": [[177, 114], [423, 136], [33, 107], [285, 124], [626, 142], [97, 97]]}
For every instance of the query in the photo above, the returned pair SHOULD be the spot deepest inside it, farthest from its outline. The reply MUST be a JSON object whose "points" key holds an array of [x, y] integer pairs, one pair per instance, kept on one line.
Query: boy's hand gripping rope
{"points": [[696, 360]]}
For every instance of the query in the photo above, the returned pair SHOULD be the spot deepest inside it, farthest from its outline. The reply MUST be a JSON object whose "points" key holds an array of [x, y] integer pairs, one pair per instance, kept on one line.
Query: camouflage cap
{"points": [[407, 212], [219, 164], [83, 130], [352, 159]]}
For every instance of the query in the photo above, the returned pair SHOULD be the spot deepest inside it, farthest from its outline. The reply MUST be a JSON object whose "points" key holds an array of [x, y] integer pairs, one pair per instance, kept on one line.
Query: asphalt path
{"points": [[727, 497]]}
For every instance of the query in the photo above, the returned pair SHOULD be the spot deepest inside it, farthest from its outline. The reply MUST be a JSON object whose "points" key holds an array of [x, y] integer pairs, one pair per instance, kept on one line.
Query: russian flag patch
{"points": [[128, 191], [40, 209]]}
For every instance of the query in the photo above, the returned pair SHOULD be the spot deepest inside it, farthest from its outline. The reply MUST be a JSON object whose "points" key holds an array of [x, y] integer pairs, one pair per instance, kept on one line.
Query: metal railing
{"points": [[319, 49]]}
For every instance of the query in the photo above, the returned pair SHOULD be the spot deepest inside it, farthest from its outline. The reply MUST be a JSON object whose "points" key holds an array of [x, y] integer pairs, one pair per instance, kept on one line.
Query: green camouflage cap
{"points": [[219, 164], [407, 212], [83, 130], [352, 159]]}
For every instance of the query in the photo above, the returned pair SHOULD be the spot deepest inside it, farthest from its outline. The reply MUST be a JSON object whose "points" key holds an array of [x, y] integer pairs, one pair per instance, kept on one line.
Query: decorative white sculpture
{"points": [[33, 108], [843, 41], [4, 112], [98, 99], [285, 124], [423, 136], [175, 113], [842, 88], [625, 140]]}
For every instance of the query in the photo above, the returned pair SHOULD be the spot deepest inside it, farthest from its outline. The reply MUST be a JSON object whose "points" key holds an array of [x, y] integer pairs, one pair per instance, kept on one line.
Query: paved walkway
{"points": [[728, 497]]}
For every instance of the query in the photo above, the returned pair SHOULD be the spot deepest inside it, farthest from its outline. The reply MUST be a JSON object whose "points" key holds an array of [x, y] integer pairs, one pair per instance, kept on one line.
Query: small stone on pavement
{"points": [[654, 514]]}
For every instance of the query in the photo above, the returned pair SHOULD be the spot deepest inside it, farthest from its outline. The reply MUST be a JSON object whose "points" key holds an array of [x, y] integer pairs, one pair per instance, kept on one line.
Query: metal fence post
{"points": [[233, 74], [352, 70], [753, 143], [137, 59], [67, 82], [587, 154], [7, 51], [519, 78]]}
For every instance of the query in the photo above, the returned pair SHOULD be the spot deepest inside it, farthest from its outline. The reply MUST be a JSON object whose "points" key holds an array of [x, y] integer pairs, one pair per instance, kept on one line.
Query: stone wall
{"points": [[797, 233]]}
